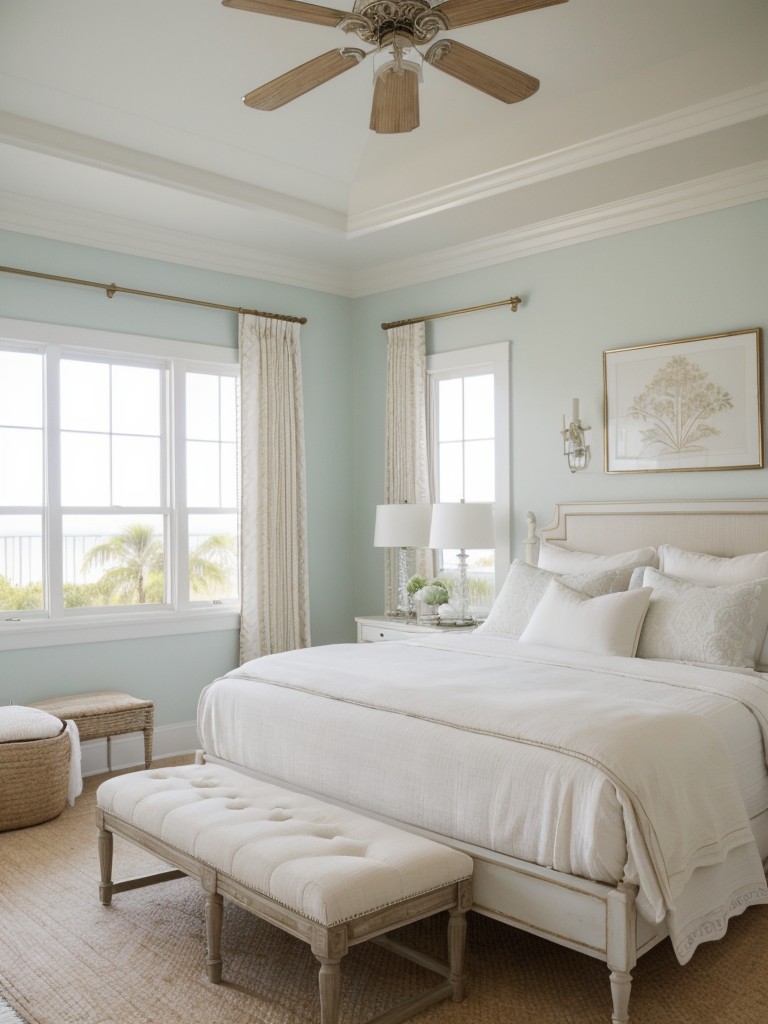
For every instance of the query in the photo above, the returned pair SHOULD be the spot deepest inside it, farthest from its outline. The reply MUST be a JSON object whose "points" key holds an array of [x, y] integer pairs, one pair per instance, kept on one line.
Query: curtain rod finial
{"points": [[515, 302]]}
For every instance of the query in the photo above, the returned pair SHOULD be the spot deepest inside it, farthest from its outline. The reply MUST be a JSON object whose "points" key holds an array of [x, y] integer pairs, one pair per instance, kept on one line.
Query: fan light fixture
{"points": [[398, 28]]}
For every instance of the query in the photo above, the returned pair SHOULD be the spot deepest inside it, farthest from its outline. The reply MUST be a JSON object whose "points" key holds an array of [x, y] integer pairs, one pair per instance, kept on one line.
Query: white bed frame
{"points": [[591, 917]]}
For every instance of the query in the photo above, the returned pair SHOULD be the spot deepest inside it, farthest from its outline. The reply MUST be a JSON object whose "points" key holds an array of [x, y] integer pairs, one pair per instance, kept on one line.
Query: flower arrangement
{"points": [[431, 593]]}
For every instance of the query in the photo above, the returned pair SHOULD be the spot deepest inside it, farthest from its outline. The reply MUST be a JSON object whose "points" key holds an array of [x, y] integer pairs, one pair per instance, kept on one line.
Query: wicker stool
{"points": [[34, 779], [108, 713]]}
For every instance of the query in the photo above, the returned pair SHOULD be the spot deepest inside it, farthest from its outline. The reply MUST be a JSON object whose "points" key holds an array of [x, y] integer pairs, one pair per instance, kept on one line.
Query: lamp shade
{"points": [[402, 526], [462, 524]]}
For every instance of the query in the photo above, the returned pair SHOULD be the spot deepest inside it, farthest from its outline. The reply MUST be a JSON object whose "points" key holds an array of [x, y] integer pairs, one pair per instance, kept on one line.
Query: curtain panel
{"points": [[273, 513], [407, 451]]}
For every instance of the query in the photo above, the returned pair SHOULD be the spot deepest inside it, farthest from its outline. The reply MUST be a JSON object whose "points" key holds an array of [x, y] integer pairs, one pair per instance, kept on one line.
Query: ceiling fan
{"points": [[397, 29]]}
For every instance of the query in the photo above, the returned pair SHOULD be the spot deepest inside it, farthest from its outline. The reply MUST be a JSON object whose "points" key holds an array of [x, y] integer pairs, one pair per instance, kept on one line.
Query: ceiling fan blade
{"points": [[293, 9], [481, 71], [302, 79], [471, 12], [395, 101]]}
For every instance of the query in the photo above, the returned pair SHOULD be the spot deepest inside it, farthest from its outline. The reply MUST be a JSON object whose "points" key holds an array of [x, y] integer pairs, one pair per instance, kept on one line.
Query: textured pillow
{"points": [[708, 625], [524, 587], [709, 570], [18, 722], [556, 559], [599, 625]]}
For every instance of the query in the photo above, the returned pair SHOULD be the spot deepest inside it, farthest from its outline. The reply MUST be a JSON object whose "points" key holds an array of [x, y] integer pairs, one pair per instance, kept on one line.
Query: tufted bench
{"points": [[325, 875]]}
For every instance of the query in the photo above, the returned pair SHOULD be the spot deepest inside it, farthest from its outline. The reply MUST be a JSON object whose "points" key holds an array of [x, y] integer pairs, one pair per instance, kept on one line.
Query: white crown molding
{"points": [[703, 195], [52, 220], [39, 137], [734, 108], [44, 219]]}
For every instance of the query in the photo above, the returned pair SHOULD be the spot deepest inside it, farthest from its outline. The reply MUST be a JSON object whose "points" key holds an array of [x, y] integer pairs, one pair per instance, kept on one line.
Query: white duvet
{"points": [[608, 768]]}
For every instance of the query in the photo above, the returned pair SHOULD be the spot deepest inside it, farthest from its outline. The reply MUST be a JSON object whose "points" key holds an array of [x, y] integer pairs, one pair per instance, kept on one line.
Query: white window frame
{"points": [[98, 625], [495, 359]]}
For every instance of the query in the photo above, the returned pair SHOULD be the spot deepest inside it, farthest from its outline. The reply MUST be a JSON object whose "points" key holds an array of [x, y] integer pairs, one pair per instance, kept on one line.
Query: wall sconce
{"points": [[575, 447]]}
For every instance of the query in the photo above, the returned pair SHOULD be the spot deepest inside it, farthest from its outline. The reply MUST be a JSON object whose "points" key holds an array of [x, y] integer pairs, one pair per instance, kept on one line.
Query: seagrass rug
{"points": [[66, 959]]}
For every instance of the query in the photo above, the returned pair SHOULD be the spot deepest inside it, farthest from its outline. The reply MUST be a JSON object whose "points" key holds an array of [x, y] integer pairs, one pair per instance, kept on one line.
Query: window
{"points": [[118, 483], [470, 453]]}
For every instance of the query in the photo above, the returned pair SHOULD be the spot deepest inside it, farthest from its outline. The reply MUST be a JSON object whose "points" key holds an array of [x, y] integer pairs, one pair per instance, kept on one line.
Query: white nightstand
{"points": [[372, 629]]}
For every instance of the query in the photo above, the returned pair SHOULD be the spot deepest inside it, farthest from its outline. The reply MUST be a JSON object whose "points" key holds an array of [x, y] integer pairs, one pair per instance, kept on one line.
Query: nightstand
{"points": [[372, 629]]}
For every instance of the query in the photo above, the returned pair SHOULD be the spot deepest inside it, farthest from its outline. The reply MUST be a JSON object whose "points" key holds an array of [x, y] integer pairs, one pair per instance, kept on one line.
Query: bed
{"points": [[611, 795]]}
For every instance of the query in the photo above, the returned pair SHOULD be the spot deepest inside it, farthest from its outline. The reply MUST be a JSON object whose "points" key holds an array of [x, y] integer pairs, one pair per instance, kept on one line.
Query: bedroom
{"points": [[686, 261]]}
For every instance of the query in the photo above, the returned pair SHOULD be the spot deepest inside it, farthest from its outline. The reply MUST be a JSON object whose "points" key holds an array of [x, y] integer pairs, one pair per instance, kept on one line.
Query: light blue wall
{"points": [[698, 276], [703, 275], [172, 670]]}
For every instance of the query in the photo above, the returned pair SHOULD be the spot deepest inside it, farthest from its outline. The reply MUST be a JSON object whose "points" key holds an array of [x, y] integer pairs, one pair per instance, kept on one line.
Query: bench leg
{"points": [[330, 991], [148, 746], [457, 949], [214, 914], [105, 862]]}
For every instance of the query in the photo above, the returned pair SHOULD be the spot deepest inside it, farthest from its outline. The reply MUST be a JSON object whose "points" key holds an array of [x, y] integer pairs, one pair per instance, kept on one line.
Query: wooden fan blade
{"points": [[471, 12], [395, 102], [293, 9], [302, 79], [481, 71]]}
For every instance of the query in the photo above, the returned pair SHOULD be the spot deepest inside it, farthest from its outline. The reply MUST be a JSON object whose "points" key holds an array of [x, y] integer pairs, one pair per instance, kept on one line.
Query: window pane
{"points": [[136, 471], [113, 561], [228, 408], [213, 572], [229, 476], [85, 469], [21, 467], [203, 474], [203, 407], [21, 389], [136, 400], [451, 471], [21, 563], [479, 471], [450, 409], [84, 395], [478, 406]]}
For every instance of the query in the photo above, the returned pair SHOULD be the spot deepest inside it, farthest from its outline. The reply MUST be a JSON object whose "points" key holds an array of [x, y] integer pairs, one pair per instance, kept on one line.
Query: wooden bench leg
{"points": [[457, 949], [330, 991], [214, 916], [148, 745], [105, 862]]}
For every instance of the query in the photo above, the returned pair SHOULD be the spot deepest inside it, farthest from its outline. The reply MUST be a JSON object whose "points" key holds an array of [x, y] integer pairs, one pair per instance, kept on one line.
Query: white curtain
{"points": [[408, 476], [274, 574]]}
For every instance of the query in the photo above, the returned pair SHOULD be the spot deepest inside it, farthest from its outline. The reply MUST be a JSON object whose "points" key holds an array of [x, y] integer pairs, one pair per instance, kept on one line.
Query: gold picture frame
{"points": [[688, 405]]}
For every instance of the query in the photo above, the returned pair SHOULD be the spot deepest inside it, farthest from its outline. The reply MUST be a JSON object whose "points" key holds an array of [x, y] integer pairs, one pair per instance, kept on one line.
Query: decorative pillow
{"points": [[599, 625], [524, 587], [556, 559], [709, 570], [709, 625]]}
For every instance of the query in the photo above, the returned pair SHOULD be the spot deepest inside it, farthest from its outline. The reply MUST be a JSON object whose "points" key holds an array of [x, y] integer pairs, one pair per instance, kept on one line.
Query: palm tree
{"points": [[138, 555], [211, 564]]}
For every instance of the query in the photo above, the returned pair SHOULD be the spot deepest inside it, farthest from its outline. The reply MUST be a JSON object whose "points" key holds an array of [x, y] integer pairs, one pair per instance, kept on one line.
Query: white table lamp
{"points": [[402, 526], [462, 525]]}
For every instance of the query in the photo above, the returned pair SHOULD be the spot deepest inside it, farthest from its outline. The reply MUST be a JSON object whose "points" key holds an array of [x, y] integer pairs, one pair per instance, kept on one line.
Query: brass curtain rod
{"points": [[112, 289], [513, 303]]}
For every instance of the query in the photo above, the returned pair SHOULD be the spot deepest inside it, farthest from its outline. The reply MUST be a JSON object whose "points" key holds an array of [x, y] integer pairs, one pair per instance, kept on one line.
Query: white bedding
{"points": [[608, 768]]}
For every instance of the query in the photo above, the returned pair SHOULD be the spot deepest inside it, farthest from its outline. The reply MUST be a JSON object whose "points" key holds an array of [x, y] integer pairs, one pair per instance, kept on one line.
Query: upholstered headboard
{"points": [[725, 527]]}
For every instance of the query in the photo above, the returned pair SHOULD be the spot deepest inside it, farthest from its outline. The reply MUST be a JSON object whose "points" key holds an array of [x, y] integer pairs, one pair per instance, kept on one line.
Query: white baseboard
{"points": [[128, 750]]}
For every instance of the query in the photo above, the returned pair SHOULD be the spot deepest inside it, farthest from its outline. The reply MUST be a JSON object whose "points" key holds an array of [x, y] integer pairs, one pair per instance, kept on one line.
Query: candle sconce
{"points": [[575, 447]]}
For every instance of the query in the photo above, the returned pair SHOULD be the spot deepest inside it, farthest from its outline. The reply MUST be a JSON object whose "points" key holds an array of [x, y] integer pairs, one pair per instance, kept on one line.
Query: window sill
{"points": [[37, 633]]}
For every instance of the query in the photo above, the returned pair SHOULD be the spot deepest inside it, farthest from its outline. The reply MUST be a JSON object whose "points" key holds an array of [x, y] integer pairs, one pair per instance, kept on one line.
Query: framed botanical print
{"points": [[693, 404]]}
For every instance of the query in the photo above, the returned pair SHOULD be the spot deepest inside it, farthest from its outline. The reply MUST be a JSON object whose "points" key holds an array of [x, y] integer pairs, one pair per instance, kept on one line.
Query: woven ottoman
{"points": [[326, 875], [106, 713], [35, 751]]}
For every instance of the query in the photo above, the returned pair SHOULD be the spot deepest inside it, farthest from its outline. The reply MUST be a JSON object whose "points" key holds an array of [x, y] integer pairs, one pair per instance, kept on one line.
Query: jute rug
{"points": [[65, 959]]}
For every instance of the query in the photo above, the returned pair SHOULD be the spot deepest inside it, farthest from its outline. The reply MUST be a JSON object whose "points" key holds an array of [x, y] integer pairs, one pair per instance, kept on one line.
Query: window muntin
{"points": [[108, 539]]}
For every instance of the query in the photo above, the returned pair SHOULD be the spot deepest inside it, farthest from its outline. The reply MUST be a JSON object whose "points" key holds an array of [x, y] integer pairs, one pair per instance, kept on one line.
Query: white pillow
{"points": [[18, 722], [709, 570], [599, 625], [704, 624], [556, 559], [524, 587]]}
